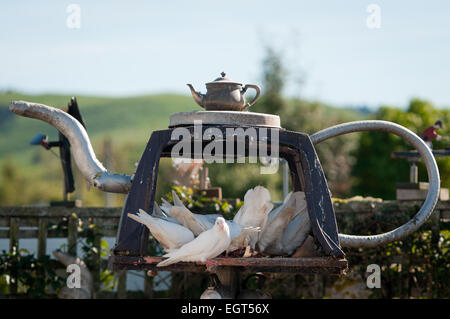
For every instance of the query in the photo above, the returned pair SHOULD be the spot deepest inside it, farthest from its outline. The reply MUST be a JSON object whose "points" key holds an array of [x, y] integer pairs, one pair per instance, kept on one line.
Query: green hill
{"points": [[30, 174], [123, 119]]}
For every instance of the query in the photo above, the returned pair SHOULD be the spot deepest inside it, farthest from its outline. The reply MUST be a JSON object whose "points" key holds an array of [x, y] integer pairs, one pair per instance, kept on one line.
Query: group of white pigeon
{"points": [[186, 236]]}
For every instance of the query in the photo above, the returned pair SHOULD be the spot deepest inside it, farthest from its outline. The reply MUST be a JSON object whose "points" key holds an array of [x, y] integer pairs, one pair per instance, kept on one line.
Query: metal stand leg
{"points": [[230, 279]]}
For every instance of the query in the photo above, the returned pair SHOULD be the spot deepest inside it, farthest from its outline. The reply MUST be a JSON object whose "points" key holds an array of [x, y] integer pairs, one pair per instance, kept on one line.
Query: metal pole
{"points": [[107, 149], [82, 150], [230, 279], [413, 173]]}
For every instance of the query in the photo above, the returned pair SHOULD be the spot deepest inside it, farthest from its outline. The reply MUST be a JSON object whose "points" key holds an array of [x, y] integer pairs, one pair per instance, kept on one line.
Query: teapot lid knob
{"points": [[223, 79]]}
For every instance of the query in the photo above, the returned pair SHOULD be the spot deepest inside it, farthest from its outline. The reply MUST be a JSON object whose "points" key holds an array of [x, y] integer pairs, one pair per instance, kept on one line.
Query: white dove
{"points": [[166, 206], [159, 213], [300, 203], [207, 245], [277, 222], [169, 235], [240, 235], [254, 212], [197, 223], [296, 231]]}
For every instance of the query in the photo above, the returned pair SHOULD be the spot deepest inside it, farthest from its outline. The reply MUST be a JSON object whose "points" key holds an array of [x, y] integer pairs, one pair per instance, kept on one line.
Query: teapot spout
{"points": [[83, 152], [198, 97]]}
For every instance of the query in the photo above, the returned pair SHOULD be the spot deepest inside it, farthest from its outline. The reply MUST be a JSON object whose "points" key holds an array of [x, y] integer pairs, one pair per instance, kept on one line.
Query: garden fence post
{"points": [[13, 248]]}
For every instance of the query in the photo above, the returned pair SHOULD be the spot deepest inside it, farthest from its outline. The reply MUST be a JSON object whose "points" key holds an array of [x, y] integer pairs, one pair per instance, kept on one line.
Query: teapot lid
{"points": [[223, 79]]}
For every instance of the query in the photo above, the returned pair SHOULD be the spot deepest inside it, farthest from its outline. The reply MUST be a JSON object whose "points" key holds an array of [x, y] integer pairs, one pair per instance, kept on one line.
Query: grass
{"points": [[126, 121], [121, 119]]}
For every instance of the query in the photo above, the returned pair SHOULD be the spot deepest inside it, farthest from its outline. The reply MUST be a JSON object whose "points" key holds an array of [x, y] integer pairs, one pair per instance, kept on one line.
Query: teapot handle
{"points": [[258, 91], [433, 177]]}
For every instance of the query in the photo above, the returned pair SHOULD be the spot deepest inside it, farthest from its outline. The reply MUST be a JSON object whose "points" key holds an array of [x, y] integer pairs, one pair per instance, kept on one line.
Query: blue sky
{"points": [[142, 47]]}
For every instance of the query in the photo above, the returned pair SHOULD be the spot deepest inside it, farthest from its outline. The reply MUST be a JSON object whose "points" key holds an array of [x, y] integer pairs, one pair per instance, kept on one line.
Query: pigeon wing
{"points": [[240, 236], [205, 246], [278, 220], [169, 235], [188, 220]]}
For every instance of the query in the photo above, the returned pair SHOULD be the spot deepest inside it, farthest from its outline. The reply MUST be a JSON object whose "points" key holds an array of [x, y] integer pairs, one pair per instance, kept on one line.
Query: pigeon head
{"points": [[221, 223]]}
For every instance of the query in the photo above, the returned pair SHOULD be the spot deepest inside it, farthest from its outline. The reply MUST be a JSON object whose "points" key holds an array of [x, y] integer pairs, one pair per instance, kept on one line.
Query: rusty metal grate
{"points": [[327, 265]]}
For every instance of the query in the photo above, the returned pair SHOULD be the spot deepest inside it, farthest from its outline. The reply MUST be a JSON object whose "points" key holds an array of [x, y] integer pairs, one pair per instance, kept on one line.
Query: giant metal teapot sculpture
{"points": [[224, 96]]}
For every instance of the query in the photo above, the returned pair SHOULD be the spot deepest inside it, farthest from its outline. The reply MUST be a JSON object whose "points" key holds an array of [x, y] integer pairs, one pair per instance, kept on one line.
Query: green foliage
{"points": [[418, 265], [126, 120], [375, 172], [34, 276], [235, 179], [37, 174], [411, 267], [274, 76], [308, 117], [335, 154], [88, 235], [199, 203]]}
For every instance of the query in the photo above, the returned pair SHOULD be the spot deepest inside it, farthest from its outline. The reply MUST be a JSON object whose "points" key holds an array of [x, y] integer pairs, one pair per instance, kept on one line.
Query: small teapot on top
{"points": [[224, 94]]}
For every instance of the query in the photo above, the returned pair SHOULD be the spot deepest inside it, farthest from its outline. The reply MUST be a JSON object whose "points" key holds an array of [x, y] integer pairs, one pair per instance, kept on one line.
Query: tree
{"points": [[375, 172], [274, 76]]}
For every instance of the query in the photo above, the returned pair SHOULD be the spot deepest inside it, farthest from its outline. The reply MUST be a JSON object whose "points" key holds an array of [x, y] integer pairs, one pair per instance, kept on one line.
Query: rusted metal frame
{"points": [[293, 159], [167, 150], [142, 195], [132, 237], [314, 264], [320, 207]]}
